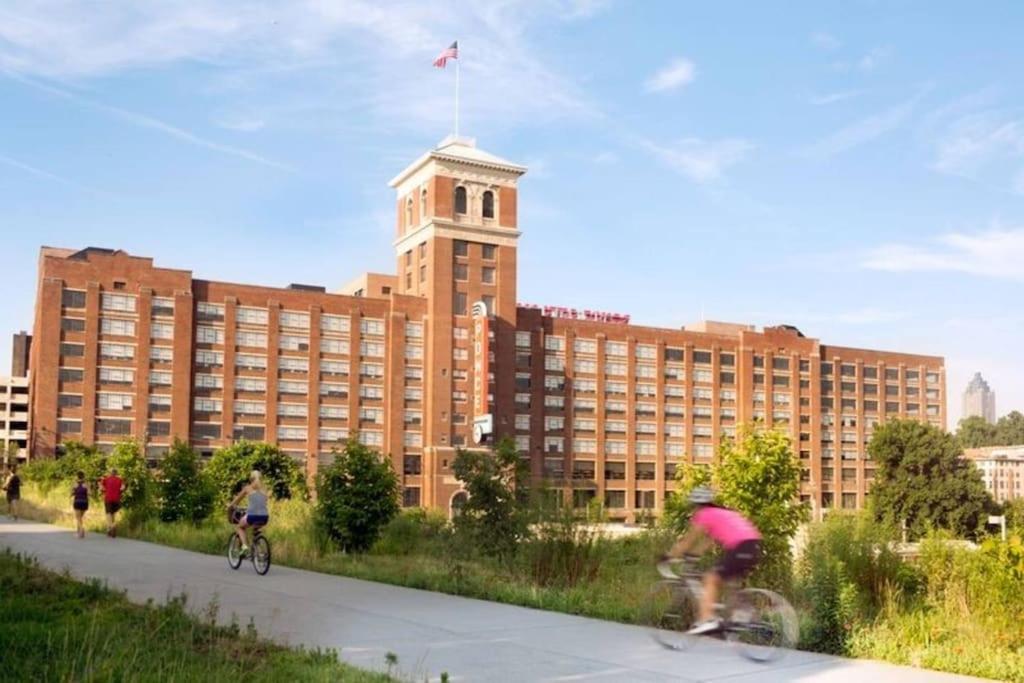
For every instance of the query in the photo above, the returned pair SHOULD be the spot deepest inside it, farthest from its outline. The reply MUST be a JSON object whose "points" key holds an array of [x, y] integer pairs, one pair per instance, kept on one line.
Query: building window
{"points": [[411, 496], [460, 305], [460, 199], [423, 204], [251, 316], [75, 350], [408, 212], [461, 248], [108, 427], [117, 302], [488, 205], [69, 426], [461, 271], [489, 251], [72, 298], [487, 275]]}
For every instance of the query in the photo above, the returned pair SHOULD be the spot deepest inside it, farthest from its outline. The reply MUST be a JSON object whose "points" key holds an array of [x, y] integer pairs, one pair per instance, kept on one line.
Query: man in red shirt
{"points": [[112, 486]]}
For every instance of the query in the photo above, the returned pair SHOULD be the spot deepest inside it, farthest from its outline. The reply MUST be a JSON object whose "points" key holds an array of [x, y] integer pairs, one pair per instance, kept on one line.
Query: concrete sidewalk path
{"points": [[431, 633]]}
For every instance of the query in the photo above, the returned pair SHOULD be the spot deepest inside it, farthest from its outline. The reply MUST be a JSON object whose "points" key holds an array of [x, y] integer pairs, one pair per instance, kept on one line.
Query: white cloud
{"points": [[825, 40], [833, 97], [374, 57], [972, 142], [241, 123], [40, 173], [144, 121], [606, 158], [874, 58], [675, 74], [701, 160], [861, 132], [997, 253]]}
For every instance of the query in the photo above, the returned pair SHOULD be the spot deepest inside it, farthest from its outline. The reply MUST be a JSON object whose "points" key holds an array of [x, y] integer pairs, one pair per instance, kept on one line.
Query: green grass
{"points": [[55, 629], [974, 642]]}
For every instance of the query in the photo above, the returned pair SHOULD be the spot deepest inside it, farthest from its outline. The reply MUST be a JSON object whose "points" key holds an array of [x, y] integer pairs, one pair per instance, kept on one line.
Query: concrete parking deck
{"points": [[431, 633]]}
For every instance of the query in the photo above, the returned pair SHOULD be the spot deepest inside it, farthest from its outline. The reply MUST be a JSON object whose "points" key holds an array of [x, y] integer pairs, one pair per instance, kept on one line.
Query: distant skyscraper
{"points": [[979, 399]]}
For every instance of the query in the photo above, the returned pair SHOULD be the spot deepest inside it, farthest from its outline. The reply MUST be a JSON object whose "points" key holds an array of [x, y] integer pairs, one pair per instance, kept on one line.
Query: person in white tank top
{"points": [[257, 514]]}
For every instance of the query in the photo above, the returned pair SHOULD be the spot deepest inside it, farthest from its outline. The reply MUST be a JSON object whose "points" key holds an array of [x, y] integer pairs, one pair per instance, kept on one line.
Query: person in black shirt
{"points": [[13, 488], [80, 502]]}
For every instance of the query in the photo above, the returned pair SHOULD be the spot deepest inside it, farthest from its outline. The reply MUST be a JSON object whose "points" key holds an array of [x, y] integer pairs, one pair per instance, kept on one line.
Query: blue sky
{"points": [[856, 169]]}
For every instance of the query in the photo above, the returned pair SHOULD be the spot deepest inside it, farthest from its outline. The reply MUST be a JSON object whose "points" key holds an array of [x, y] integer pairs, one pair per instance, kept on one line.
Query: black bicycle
{"points": [[761, 623], [259, 551]]}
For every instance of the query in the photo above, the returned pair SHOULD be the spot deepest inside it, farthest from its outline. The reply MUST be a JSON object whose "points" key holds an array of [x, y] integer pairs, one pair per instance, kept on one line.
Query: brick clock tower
{"points": [[456, 247]]}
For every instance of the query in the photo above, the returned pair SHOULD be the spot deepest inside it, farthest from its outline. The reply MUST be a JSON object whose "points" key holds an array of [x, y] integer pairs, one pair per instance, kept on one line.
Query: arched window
{"points": [[408, 212], [423, 204], [460, 199], [488, 204]]}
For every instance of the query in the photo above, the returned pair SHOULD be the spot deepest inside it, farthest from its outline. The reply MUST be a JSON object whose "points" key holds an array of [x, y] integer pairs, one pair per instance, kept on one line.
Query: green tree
{"points": [[923, 479], [1014, 511], [131, 466], [1010, 429], [496, 515], [229, 470], [758, 475], [357, 496], [677, 506], [976, 432], [185, 490]]}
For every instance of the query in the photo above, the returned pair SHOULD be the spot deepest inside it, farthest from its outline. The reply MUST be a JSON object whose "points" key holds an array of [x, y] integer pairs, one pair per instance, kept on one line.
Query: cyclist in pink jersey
{"points": [[741, 545]]}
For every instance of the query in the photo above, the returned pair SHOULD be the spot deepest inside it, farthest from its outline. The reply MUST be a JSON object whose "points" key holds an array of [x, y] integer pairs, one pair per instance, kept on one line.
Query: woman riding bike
{"points": [[740, 541], [256, 515]]}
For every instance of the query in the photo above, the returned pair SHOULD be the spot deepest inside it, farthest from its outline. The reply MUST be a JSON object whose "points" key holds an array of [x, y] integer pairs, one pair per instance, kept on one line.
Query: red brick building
{"points": [[601, 407]]}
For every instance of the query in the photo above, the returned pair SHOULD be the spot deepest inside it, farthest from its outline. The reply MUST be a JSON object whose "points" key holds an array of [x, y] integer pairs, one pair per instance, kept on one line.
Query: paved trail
{"points": [[471, 640]]}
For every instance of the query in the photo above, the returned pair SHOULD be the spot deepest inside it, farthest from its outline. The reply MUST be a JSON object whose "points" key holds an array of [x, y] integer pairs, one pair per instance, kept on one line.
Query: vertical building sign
{"points": [[483, 422]]}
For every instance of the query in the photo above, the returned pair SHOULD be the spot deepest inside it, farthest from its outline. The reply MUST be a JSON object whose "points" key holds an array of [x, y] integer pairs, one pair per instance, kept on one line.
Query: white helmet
{"points": [[702, 495]]}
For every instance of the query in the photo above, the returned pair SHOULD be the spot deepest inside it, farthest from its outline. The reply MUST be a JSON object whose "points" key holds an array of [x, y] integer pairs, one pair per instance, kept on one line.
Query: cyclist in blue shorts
{"points": [[256, 514]]}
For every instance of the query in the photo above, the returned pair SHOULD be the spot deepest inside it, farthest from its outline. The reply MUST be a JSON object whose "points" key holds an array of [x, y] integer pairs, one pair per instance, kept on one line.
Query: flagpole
{"points": [[457, 61]]}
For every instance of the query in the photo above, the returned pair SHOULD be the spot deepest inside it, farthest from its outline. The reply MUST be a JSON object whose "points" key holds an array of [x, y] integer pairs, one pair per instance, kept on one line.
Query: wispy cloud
{"points": [[241, 123], [40, 173], [701, 160], [833, 97], [825, 40], [874, 58], [863, 131], [974, 137], [606, 158], [674, 75], [997, 253], [144, 121], [377, 54]]}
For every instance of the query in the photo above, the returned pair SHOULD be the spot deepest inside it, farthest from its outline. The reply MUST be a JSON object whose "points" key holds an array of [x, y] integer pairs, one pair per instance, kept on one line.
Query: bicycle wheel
{"points": [[234, 551], [761, 624], [671, 610], [261, 555]]}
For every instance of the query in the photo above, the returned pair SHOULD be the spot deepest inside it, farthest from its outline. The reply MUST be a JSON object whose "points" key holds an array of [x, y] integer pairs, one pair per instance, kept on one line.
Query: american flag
{"points": [[450, 52]]}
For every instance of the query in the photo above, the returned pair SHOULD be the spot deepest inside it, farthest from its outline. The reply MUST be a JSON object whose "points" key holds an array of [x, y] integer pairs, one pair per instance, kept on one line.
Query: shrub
{"points": [[495, 517], [357, 496], [62, 470], [229, 469], [139, 489], [846, 573], [563, 551], [413, 532], [185, 491]]}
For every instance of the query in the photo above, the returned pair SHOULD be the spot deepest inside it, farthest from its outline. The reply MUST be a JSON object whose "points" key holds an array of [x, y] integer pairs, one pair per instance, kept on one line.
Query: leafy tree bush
{"points": [[496, 515], [923, 479], [185, 491], [846, 572], [413, 532], [63, 469], [139, 487], [357, 496], [229, 469], [758, 475], [976, 432]]}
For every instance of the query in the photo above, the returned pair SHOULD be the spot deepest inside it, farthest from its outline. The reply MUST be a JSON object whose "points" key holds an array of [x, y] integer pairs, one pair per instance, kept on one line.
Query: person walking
{"points": [[113, 487], [80, 503], [13, 488]]}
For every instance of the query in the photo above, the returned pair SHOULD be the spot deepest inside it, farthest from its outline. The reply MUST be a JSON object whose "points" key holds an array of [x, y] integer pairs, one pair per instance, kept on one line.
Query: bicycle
{"points": [[759, 622], [259, 551]]}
